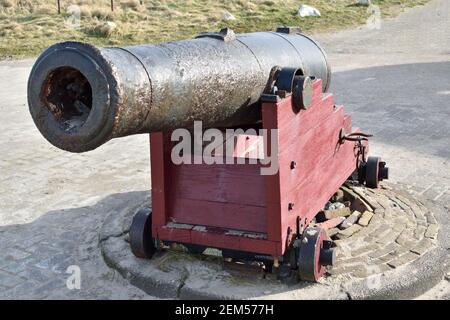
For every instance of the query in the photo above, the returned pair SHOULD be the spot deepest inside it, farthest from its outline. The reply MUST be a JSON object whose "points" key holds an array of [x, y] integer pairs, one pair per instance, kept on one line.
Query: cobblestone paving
{"points": [[51, 201], [400, 230], [378, 76]]}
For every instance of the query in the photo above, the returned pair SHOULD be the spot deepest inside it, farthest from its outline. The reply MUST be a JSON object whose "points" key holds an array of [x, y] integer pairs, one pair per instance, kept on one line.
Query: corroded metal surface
{"points": [[217, 78]]}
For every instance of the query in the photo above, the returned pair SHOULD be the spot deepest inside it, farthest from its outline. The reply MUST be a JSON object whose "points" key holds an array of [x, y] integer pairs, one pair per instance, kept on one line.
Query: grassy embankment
{"points": [[29, 26]]}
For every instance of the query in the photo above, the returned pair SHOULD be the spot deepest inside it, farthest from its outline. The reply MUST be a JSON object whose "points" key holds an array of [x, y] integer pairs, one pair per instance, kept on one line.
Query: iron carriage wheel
{"points": [[141, 241]]}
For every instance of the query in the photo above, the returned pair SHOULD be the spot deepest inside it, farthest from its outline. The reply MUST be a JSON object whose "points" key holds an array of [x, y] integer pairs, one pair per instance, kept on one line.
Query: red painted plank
{"points": [[347, 122], [306, 120], [174, 234], [270, 113], [223, 241], [274, 219], [244, 146], [287, 114], [309, 151], [320, 185], [218, 214], [238, 184], [215, 240], [159, 164], [219, 240]]}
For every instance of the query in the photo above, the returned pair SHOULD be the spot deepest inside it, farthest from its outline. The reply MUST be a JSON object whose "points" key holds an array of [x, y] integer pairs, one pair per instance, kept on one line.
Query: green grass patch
{"points": [[29, 26]]}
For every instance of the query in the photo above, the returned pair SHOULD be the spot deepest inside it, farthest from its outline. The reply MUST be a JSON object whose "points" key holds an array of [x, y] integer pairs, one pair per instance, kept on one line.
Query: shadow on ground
{"points": [[34, 257], [402, 105]]}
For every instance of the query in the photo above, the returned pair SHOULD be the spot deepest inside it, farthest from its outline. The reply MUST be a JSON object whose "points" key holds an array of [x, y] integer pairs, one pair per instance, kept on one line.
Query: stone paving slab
{"points": [[34, 262]]}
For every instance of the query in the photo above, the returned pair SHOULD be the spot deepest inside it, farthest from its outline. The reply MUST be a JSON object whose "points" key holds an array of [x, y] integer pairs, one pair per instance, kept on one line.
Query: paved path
{"points": [[45, 220], [395, 81]]}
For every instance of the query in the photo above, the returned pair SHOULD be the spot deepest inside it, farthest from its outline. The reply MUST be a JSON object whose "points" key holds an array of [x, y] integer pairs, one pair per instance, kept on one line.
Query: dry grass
{"points": [[102, 29], [7, 3], [29, 26]]}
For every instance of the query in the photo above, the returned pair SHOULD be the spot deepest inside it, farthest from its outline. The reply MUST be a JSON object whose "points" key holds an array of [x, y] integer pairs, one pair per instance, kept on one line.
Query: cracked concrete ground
{"points": [[394, 81]]}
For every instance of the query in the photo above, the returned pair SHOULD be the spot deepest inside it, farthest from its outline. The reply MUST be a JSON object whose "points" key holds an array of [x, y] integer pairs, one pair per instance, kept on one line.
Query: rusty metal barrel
{"points": [[81, 96]]}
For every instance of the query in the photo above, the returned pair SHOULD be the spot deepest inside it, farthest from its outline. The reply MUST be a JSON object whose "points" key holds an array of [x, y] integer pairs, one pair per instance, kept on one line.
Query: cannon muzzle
{"points": [[81, 96]]}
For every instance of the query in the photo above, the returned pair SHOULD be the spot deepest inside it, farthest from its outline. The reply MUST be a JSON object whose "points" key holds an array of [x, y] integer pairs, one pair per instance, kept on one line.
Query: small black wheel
{"points": [[372, 167], [194, 249], [141, 240], [315, 253], [360, 173]]}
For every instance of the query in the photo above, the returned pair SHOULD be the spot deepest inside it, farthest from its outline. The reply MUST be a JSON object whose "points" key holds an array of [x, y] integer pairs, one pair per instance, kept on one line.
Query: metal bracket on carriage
{"points": [[370, 171], [354, 136], [357, 137]]}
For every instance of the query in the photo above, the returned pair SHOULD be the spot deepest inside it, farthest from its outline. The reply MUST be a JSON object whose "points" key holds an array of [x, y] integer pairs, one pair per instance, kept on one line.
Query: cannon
{"points": [[272, 84], [81, 96]]}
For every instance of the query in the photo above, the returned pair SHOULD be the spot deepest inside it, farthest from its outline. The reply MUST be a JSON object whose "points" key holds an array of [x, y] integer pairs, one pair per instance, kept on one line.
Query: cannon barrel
{"points": [[81, 96]]}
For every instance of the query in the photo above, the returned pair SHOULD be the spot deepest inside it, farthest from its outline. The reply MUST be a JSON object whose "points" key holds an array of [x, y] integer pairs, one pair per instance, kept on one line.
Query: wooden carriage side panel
{"points": [[226, 183], [306, 120], [218, 239], [287, 115], [322, 164], [272, 182], [315, 191], [290, 125], [312, 163], [218, 214], [310, 153], [160, 158], [174, 234], [310, 150]]}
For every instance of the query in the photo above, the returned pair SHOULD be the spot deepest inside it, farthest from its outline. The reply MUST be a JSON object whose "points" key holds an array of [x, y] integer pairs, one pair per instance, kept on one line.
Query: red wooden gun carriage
{"points": [[252, 216]]}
